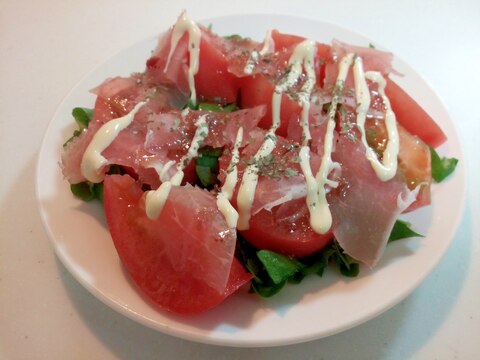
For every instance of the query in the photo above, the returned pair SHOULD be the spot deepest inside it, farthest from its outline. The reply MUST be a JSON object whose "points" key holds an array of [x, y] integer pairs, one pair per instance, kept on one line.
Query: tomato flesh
{"points": [[414, 163], [286, 230], [413, 117], [213, 82], [258, 90], [170, 258]]}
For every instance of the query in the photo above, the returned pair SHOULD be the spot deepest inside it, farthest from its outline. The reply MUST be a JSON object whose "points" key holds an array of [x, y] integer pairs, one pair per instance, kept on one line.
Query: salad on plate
{"points": [[229, 161]]}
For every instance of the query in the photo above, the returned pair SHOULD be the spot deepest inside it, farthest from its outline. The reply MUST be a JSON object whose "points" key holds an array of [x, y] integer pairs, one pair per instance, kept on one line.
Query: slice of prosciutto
{"points": [[153, 139], [364, 208]]}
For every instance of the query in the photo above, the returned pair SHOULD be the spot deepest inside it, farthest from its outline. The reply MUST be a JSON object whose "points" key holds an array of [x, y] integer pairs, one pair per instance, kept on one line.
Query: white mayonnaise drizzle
{"points": [[155, 199], [162, 169], [185, 24], [303, 55], [268, 47], [93, 160], [226, 193], [387, 168], [246, 192], [320, 214]]}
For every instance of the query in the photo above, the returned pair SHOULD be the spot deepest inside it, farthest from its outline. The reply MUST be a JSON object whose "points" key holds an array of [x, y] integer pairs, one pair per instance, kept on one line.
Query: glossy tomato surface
{"points": [[181, 262], [412, 117], [286, 230]]}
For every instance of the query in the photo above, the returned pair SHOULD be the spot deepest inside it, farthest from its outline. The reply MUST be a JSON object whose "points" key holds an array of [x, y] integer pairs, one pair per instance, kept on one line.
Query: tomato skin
{"points": [[295, 239], [213, 82], [144, 245], [413, 117], [284, 41], [258, 90]]}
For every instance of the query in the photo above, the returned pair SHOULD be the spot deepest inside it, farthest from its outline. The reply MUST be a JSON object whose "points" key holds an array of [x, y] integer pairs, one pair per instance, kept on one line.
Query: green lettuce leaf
{"points": [[402, 230], [441, 167]]}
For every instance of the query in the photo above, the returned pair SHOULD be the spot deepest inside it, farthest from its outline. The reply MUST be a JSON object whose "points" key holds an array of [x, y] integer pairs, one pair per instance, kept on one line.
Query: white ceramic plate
{"points": [[318, 307]]}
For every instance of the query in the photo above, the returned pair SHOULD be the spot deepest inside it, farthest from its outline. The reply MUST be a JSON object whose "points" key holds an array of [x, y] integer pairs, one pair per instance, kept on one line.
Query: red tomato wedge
{"points": [[413, 117], [414, 163], [286, 229], [179, 261], [284, 41], [258, 90], [285, 226], [213, 82]]}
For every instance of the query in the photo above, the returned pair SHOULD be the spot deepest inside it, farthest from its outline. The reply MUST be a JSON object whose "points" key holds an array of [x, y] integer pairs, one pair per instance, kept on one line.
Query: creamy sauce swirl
{"points": [[226, 193], [92, 160], [246, 192], [387, 168], [155, 199], [255, 55], [185, 24]]}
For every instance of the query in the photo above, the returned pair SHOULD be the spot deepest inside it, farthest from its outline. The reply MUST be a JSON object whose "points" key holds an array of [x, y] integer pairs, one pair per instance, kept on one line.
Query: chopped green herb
{"points": [[289, 172], [441, 167], [267, 166]]}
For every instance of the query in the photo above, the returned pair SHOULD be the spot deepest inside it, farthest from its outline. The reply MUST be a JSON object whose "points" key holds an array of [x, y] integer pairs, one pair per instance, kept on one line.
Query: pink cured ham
{"points": [[154, 139], [126, 150], [169, 134], [213, 81], [280, 176], [117, 96], [364, 208], [373, 60], [271, 63], [174, 130], [177, 74]]}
